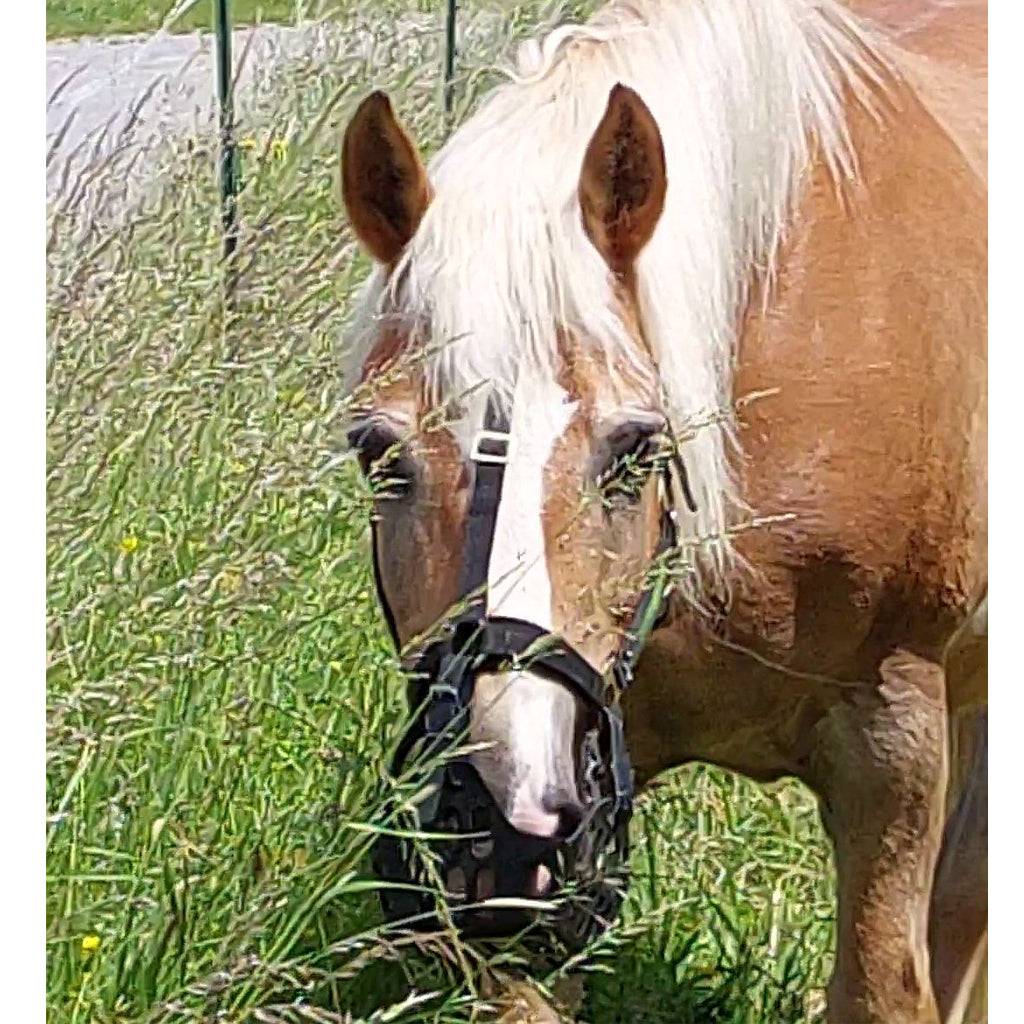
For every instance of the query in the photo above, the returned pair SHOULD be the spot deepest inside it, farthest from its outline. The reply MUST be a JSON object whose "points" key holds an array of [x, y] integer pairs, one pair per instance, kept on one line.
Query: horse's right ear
{"points": [[383, 183]]}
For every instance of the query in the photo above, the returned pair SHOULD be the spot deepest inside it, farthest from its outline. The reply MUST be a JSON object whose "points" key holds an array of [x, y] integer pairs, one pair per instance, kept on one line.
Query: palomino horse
{"points": [[719, 265]]}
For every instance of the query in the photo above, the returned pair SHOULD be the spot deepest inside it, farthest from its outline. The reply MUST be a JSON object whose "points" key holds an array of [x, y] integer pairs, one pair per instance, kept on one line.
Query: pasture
{"points": [[222, 695]]}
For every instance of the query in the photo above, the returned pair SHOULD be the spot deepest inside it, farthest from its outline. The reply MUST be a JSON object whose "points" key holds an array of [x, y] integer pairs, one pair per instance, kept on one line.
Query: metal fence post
{"points": [[228, 149], [449, 60]]}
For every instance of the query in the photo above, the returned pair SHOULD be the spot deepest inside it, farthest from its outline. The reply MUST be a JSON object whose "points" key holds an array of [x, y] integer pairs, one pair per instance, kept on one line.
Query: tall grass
{"points": [[68, 18], [221, 693]]}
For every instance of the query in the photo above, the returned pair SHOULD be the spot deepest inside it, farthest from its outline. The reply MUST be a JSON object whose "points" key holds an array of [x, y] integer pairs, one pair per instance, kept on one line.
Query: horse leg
{"points": [[879, 765], [958, 923]]}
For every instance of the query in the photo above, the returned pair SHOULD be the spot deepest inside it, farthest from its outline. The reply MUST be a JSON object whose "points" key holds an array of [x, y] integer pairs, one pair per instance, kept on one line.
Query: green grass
{"points": [[69, 18], [221, 693]]}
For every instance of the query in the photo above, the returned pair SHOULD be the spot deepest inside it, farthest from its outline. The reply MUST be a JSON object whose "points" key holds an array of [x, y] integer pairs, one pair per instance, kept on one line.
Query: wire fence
{"points": [[228, 156]]}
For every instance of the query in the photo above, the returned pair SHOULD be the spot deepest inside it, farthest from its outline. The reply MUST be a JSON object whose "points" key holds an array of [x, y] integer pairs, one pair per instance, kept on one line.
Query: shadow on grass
{"points": [[657, 978], [650, 987], [360, 978]]}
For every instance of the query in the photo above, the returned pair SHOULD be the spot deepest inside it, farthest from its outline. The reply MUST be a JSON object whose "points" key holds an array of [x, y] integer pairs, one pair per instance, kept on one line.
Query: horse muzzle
{"points": [[495, 879]]}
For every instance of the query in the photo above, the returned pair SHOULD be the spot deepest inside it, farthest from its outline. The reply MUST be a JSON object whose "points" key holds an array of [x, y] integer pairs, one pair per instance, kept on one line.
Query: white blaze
{"points": [[528, 717], [518, 582]]}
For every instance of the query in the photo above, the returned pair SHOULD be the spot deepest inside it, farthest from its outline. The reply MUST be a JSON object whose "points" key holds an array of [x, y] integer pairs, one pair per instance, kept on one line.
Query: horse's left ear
{"points": [[622, 183]]}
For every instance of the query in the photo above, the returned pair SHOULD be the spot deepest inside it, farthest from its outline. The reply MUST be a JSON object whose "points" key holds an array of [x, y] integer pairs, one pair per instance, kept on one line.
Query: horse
{"points": [[676, 354]]}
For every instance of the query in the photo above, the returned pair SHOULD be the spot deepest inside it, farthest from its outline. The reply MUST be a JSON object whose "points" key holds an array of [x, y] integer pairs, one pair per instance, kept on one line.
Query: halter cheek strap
{"points": [[378, 581], [489, 455]]}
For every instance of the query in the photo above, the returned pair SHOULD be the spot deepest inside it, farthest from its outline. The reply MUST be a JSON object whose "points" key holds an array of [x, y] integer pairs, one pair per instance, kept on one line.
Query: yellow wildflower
{"points": [[90, 943], [230, 580], [247, 144], [129, 543], [279, 149], [237, 467], [335, 665]]}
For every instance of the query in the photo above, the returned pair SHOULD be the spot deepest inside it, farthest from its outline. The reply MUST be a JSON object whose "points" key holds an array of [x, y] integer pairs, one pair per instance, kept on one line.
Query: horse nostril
{"points": [[553, 817]]}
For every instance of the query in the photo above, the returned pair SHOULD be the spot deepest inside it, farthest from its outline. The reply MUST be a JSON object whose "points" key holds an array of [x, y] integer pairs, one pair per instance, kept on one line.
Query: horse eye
{"points": [[384, 460], [633, 452]]}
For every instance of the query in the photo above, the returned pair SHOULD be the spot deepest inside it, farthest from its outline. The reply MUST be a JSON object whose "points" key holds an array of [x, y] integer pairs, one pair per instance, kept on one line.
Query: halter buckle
{"points": [[492, 437]]}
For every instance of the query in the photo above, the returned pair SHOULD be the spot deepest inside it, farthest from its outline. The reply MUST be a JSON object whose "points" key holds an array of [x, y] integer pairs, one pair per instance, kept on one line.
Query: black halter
{"points": [[441, 688]]}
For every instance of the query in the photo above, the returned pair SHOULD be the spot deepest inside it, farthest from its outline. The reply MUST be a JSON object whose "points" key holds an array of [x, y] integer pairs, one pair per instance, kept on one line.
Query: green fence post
{"points": [[449, 60], [228, 149]]}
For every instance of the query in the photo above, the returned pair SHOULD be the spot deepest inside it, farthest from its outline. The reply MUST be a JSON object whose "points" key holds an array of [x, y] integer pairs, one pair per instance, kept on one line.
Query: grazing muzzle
{"points": [[474, 853]]}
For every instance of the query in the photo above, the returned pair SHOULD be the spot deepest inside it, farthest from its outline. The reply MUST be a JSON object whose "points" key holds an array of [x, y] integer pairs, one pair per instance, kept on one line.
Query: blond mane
{"points": [[741, 90]]}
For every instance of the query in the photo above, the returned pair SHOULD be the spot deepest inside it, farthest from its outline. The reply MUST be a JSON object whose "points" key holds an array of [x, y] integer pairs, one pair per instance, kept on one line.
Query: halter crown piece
{"points": [[592, 863]]}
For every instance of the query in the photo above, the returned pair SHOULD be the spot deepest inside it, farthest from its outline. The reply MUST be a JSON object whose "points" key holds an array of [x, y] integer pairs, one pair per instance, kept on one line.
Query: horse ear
{"points": [[622, 183], [383, 183]]}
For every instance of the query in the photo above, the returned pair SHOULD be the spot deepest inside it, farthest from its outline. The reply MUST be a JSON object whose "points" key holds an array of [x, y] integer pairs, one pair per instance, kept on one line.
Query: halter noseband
{"points": [[442, 680]]}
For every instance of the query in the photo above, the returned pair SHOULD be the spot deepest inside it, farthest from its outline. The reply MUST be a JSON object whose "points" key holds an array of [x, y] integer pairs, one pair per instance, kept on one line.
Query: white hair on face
{"points": [[518, 583], [739, 89]]}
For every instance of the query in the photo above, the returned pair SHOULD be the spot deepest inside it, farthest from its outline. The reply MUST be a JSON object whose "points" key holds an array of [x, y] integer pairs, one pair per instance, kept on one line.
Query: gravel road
{"points": [[111, 102], [128, 93]]}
